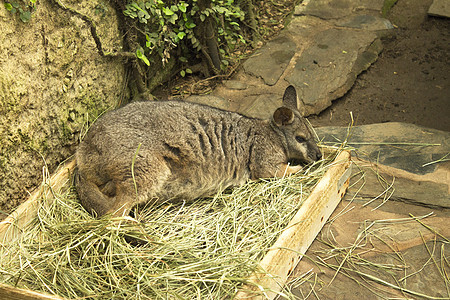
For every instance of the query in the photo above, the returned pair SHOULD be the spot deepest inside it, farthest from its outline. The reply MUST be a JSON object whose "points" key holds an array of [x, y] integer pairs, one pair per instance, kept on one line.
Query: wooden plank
{"points": [[293, 242], [11, 293], [12, 226]]}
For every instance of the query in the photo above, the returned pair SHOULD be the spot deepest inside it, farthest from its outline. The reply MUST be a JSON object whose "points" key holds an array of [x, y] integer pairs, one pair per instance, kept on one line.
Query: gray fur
{"points": [[186, 151]]}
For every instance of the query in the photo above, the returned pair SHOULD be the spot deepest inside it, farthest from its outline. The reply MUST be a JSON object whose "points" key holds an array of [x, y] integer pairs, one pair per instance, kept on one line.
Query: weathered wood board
{"points": [[8, 292]]}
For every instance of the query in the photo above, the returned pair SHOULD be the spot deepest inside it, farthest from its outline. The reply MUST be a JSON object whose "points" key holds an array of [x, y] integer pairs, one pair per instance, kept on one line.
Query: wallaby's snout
{"points": [[306, 152], [314, 151]]}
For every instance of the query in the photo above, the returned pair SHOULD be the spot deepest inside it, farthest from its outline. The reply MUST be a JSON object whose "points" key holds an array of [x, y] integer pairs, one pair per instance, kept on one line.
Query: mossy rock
{"points": [[53, 83]]}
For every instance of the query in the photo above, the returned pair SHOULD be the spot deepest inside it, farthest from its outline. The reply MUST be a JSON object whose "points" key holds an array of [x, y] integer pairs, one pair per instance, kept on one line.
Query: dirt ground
{"points": [[409, 82]]}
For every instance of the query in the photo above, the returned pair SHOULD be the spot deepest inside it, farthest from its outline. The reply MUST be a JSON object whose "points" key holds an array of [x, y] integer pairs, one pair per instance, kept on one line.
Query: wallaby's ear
{"points": [[290, 98], [283, 116]]}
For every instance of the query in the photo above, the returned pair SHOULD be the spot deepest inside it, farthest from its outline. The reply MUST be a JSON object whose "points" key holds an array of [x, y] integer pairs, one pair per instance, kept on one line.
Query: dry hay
{"points": [[201, 250]]}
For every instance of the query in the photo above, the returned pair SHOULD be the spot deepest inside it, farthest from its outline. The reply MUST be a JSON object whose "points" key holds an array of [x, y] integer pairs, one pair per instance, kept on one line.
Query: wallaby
{"points": [[174, 150]]}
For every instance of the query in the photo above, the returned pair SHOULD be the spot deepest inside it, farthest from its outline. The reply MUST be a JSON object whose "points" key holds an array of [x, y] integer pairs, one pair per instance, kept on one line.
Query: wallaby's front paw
{"points": [[287, 169]]}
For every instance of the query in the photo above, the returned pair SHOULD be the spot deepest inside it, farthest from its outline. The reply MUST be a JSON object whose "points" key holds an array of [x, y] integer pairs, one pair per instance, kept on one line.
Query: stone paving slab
{"points": [[413, 149], [365, 22], [271, 61], [321, 56], [335, 9], [262, 107], [328, 68], [420, 191], [400, 145], [210, 100], [440, 8], [396, 249]]}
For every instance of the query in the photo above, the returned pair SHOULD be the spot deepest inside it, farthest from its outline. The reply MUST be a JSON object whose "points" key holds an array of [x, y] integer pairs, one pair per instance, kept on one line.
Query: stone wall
{"points": [[52, 82]]}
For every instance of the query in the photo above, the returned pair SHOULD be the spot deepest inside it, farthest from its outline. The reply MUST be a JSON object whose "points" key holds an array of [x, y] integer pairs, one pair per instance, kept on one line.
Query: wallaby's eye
{"points": [[299, 139]]}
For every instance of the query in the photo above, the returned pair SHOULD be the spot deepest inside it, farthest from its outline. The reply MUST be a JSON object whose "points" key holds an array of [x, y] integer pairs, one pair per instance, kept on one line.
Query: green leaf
{"points": [[189, 25], [167, 11], [182, 59], [145, 60], [140, 54], [25, 16], [181, 35], [130, 11], [135, 6], [8, 6], [221, 10], [148, 42], [182, 6], [182, 73], [173, 19], [189, 71], [202, 17]]}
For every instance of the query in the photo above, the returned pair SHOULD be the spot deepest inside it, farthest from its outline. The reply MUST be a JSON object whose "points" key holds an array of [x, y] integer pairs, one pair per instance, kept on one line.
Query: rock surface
{"points": [[403, 146], [389, 244], [440, 8], [365, 22], [52, 82], [419, 152], [335, 9], [328, 68], [214, 101], [270, 62], [322, 51]]}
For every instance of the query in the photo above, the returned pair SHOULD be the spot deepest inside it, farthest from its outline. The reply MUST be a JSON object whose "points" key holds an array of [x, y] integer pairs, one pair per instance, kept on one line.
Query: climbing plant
{"points": [[183, 36], [166, 25], [23, 8]]}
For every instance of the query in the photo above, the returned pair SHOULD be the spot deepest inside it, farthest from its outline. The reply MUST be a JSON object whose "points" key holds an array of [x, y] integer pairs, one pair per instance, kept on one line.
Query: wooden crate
{"points": [[278, 263]]}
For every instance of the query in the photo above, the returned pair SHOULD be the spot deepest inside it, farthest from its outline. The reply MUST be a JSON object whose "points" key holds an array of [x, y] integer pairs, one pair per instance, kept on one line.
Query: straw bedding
{"points": [[200, 250]]}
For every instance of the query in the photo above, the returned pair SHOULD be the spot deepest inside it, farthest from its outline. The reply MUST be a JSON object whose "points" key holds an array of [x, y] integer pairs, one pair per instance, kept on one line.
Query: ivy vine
{"points": [[24, 8], [167, 25]]}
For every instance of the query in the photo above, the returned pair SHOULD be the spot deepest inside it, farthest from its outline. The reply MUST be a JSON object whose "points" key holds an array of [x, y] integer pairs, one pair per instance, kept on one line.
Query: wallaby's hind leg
{"points": [[115, 191], [98, 203], [122, 203], [92, 199]]}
